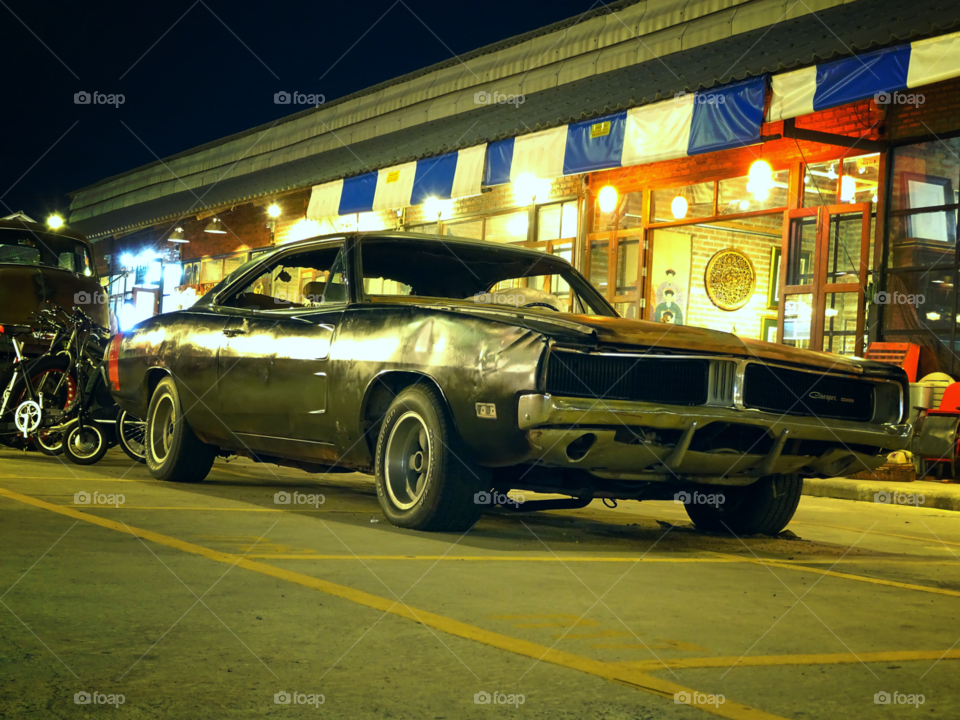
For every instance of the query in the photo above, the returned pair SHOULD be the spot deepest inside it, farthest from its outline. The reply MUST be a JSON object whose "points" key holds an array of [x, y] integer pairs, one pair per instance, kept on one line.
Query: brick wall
{"points": [[938, 114]]}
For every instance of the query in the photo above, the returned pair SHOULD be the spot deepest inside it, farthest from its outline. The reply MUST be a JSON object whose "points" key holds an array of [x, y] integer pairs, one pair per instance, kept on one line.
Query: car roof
{"points": [[38, 228], [419, 238]]}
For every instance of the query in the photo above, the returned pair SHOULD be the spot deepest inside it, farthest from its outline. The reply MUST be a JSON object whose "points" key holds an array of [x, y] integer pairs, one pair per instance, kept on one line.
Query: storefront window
{"points": [[840, 323], [821, 182], [557, 221], [802, 246], [736, 198], [471, 229], [843, 252], [926, 175], [861, 180], [599, 264], [689, 201], [925, 239], [509, 228], [797, 320], [625, 216]]}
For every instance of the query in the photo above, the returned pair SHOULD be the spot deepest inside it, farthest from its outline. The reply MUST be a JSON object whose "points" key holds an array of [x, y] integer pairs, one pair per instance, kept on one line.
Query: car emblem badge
{"points": [[487, 411]]}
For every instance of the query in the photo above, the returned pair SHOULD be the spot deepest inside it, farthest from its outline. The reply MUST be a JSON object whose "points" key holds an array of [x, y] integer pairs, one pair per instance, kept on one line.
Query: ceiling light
{"points": [[215, 227], [744, 205], [274, 210], [848, 189], [177, 236], [608, 199], [760, 180], [679, 207], [528, 187], [933, 315], [832, 173], [831, 312]]}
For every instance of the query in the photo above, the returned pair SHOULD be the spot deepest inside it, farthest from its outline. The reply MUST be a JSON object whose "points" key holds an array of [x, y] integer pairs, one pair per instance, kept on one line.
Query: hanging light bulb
{"points": [[848, 189], [744, 205], [832, 172], [273, 211], [679, 207], [760, 181], [608, 199], [874, 199], [215, 227]]}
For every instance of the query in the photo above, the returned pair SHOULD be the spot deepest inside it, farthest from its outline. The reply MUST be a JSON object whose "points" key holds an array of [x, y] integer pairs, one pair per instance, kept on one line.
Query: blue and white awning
{"points": [[691, 124], [860, 77], [452, 175]]}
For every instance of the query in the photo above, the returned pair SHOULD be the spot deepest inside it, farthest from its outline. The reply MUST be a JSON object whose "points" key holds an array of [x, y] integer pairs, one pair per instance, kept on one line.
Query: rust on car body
{"points": [[623, 402]]}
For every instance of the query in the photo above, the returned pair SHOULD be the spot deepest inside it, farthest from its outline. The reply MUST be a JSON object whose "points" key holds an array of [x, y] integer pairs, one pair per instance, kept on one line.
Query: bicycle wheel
{"points": [[85, 445], [53, 379], [131, 432]]}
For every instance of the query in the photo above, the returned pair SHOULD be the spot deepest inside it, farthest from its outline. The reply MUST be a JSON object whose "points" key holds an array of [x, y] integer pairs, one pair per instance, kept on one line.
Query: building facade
{"points": [[806, 195]]}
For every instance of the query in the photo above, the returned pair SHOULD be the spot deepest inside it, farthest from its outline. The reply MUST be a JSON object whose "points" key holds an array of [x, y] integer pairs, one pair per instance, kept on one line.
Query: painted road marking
{"points": [[848, 576], [778, 660], [609, 671]]}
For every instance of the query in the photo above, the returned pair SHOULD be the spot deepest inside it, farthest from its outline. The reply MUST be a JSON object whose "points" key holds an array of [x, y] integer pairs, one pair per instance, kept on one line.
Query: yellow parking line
{"points": [[777, 660], [848, 576], [608, 671], [490, 558], [860, 531]]}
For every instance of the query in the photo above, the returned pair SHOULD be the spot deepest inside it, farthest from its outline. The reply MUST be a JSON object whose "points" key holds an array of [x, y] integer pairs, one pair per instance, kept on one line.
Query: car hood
{"points": [[644, 334]]}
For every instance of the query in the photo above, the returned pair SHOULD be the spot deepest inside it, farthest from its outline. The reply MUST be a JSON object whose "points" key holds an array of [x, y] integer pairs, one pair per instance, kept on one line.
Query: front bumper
{"points": [[583, 433]]}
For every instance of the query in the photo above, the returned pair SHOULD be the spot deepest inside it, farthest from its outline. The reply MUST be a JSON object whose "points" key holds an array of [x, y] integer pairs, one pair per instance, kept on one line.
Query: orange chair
{"points": [[949, 403], [937, 436]]}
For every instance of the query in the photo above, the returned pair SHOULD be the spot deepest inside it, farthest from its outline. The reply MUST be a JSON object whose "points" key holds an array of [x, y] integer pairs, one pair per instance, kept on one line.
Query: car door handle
{"points": [[234, 332]]}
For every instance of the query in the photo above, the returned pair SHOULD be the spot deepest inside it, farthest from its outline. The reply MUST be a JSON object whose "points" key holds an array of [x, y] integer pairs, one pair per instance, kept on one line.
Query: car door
{"points": [[274, 370]]}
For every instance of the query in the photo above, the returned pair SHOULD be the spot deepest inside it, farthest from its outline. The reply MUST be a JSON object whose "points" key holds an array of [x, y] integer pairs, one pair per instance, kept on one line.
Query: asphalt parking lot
{"points": [[216, 600]]}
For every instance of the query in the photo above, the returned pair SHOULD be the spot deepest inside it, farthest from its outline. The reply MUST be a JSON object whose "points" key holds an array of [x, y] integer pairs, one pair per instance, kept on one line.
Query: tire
{"points": [[50, 375], [86, 445], [418, 444], [131, 435], [750, 510], [173, 451]]}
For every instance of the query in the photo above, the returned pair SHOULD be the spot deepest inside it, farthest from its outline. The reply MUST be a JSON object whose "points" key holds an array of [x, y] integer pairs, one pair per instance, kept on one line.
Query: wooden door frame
{"points": [[819, 288]]}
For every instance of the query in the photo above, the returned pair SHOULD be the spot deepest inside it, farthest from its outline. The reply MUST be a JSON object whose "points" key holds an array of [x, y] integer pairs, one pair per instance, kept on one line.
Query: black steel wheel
{"points": [[173, 451], [425, 479], [763, 508]]}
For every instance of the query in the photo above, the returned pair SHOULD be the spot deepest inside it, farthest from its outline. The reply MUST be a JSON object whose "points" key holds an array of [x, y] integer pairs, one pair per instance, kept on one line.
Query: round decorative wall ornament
{"points": [[730, 279]]}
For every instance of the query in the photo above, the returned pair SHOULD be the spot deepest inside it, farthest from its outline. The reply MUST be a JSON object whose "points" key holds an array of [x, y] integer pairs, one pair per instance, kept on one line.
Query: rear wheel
{"points": [[764, 508], [173, 451], [425, 480], [131, 435], [85, 445]]}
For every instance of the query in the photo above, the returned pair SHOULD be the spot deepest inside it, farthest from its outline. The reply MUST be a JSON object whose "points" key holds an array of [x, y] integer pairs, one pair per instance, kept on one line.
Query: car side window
{"points": [[311, 279]]}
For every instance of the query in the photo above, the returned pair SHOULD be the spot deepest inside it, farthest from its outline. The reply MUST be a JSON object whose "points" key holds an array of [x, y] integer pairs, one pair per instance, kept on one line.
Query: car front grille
{"points": [[680, 381], [792, 392]]}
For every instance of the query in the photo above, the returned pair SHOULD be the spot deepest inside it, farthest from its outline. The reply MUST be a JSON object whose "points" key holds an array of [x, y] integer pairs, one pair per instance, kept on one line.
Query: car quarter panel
{"points": [[472, 360], [183, 344]]}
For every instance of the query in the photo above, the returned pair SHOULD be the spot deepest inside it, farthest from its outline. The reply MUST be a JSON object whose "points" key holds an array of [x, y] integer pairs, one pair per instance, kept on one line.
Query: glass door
{"points": [[824, 278]]}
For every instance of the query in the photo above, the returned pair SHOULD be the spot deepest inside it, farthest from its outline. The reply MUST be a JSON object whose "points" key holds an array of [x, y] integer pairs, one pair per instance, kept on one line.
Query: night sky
{"points": [[188, 77]]}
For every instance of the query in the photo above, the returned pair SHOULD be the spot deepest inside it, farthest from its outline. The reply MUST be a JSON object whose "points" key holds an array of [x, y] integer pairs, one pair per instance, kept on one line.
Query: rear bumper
{"points": [[583, 433]]}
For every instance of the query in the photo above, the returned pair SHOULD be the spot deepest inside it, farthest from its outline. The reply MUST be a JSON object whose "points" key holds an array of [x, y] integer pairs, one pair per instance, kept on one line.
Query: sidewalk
{"points": [[925, 494]]}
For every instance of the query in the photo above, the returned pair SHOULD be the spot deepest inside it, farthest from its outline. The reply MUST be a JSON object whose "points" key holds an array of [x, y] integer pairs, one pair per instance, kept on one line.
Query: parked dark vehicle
{"points": [[41, 268], [451, 368]]}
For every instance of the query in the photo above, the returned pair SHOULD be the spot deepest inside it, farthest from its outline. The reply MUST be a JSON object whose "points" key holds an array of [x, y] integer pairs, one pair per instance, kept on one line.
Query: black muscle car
{"points": [[456, 370]]}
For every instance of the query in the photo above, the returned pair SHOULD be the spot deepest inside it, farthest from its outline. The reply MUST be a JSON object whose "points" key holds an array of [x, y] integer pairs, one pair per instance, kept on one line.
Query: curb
{"points": [[934, 495]]}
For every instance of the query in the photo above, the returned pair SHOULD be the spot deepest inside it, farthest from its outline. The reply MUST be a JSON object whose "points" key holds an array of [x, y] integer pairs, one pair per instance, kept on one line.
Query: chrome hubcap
{"points": [[161, 429]]}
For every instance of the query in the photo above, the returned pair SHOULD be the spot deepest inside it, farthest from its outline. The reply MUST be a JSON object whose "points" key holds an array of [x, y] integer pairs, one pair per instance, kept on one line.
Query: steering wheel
{"points": [[540, 304]]}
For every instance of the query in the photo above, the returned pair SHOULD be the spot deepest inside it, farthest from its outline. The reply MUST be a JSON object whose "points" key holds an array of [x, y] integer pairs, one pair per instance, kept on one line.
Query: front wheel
{"points": [[173, 451], [764, 508], [85, 445], [425, 480]]}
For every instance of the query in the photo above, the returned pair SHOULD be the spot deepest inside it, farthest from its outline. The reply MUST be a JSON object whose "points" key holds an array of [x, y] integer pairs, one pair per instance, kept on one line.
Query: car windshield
{"points": [[26, 247], [486, 275]]}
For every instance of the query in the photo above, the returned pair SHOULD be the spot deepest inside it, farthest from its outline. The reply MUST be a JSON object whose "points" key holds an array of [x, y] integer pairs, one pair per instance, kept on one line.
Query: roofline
{"points": [[461, 59]]}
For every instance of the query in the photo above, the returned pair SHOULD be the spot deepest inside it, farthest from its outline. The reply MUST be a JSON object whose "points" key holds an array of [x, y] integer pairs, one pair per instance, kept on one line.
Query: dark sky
{"points": [[188, 77]]}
